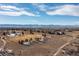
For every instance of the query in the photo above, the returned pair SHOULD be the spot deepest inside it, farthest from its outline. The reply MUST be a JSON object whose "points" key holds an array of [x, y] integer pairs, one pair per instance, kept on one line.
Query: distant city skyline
{"points": [[39, 13]]}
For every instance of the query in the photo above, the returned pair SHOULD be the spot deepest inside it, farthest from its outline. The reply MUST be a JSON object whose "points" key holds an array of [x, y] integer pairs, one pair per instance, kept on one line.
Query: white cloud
{"points": [[40, 6], [14, 11], [44, 7], [72, 10], [8, 7]]}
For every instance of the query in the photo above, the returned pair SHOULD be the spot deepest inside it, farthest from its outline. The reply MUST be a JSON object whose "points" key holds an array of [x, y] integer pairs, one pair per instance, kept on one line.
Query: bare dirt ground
{"points": [[49, 48]]}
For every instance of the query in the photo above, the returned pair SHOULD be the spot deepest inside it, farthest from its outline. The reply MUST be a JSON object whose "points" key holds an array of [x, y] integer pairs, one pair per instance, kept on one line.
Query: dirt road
{"points": [[4, 43], [73, 37]]}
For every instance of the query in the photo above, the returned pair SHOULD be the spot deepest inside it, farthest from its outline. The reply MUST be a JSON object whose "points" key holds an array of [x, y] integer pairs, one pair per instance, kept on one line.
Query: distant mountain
{"points": [[37, 26]]}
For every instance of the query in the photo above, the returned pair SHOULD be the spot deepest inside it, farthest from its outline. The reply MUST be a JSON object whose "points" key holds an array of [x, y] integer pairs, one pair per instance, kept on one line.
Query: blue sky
{"points": [[39, 13]]}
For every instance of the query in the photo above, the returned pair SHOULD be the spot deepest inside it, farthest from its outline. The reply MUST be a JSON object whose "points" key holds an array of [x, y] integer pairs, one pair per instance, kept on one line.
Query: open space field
{"points": [[35, 43], [19, 44]]}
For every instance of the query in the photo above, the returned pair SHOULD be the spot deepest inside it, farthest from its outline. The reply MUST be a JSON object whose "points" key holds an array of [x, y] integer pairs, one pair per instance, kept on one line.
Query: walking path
{"points": [[73, 37], [4, 43]]}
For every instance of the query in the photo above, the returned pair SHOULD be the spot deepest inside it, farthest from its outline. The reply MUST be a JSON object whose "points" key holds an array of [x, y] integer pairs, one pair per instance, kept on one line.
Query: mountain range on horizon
{"points": [[37, 26]]}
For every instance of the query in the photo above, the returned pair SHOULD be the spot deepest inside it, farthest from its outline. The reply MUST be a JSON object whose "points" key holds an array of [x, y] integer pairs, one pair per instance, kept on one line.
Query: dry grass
{"points": [[49, 48]]}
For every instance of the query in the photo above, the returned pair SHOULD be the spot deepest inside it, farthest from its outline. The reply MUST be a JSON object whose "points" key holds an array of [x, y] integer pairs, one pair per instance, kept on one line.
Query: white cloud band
{"points": [[15, 11], [71, 10]]}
